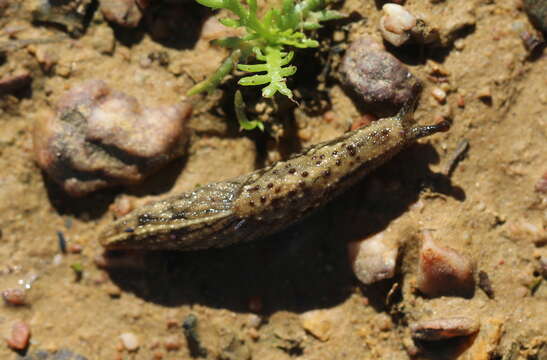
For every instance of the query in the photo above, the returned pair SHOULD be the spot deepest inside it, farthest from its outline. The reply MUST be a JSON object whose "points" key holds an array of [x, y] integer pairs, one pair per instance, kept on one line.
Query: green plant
{"points": [[266, 40]]}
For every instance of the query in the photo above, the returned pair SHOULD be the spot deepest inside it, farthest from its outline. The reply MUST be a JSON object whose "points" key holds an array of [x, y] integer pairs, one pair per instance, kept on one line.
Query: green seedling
{"points": [[267, 47]]}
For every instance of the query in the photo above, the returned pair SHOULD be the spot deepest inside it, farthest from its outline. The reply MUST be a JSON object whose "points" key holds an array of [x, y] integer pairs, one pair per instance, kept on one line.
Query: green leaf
{"points": [[230, 22], [253, 68], [214, 4], [244, 123], [254, 80]]}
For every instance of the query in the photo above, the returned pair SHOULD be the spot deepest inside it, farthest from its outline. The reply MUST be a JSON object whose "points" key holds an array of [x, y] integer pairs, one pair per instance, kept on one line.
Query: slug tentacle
{"points": [[267, 200]]}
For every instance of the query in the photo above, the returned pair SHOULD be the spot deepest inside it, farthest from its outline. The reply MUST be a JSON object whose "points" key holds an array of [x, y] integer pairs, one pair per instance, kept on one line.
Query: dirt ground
{"points": [[251, 300]]}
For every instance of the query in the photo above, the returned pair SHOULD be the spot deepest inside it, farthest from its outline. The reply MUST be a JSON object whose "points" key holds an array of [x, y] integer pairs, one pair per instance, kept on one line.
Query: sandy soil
{"points": [[250, 300]]}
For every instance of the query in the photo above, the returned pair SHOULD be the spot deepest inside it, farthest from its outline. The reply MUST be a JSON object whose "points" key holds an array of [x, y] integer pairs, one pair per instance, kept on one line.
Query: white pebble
{"points": [[130, 341], [439, 95], [396, 24], [373, 259]]}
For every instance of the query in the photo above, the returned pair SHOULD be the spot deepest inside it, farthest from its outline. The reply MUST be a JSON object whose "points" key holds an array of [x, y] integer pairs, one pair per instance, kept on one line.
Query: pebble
{"points": [[20, 336], [130, 341], [103, 40], [123, 205], [14, 296], [373, 259], [122, 12], [101, 137], [443, 271], [444, 328], [253, 321], [485, 284], [396, 24], [70, 15], [381, 81], [484, 93], [319, 323], [172, 343], [439, 95]]}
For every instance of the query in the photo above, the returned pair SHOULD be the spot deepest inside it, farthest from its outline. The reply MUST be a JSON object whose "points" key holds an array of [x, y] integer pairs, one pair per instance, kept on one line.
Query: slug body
{"points": [[267, 200]]}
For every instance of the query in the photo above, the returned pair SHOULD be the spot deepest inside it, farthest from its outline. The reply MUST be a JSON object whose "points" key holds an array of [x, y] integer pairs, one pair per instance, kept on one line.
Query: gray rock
{"points": [[99, 137], [380, 80]]}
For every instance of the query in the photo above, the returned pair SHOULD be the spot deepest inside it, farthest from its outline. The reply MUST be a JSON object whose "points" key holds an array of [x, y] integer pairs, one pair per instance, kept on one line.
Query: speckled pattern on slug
{"points": [[267, 200]]}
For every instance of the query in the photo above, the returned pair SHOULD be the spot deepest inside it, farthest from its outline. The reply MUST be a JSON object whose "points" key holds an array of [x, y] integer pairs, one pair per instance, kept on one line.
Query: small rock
{"points": [[319, 323], [71, 14], [484, 93], [373, 259], [444, 271], [122, 12], [172, 343], [396, 24], [485, 284], [130, 341], [382, 81], [12, 83], [15, 296], [537, 11], [100, 137], [123, 205], [103, 40], [20, 336], [253, 321], [442, 329], [439, 95]]}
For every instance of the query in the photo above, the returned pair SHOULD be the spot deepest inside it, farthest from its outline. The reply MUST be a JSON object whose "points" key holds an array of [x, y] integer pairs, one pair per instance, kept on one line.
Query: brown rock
{"points": [[442, 329], [122, 12], [444, 271], [100, 137], [14, 296], [381, 81], [20, 336]]}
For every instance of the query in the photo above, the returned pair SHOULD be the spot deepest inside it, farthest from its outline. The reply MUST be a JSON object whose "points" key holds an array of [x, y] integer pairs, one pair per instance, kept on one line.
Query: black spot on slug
{"points": [[351, 150]]}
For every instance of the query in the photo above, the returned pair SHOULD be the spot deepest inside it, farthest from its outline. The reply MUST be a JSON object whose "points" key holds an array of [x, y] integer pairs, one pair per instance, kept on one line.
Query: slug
{"points": [[268, 200]]}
